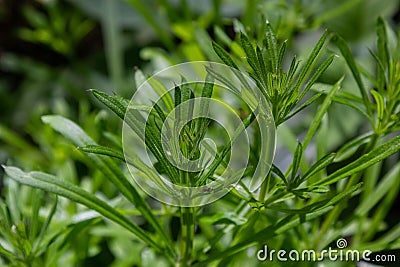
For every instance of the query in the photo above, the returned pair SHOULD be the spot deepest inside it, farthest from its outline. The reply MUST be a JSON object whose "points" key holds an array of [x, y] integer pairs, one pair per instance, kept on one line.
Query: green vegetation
{"points": [[330, 71]]}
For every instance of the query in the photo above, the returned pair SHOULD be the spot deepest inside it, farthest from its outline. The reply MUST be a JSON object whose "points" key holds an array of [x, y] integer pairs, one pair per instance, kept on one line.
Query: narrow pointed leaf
{"points": [[58, 186], [303, 106], [282, 51], [251, 55], [279, 173], [296, 160], [380, 104], [102, 150], [318, 166], [348, 56], [379, 192], [286, 223], [272, 48], [321, 69], [107, 166], [311, 61], [349, 148], [383, 50], [6, 253], [376, 155], [316, 206], [224, 56], [162, 91], [111, 102], [320, 114]]}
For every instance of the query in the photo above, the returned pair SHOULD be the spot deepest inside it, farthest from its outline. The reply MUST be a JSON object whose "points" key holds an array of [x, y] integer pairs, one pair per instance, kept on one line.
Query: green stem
{"points": [[334, 214], [264, 188], [187, 223]]}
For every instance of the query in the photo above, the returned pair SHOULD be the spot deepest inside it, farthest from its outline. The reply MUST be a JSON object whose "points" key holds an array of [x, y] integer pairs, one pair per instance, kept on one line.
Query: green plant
{"points": [[60, 30], [24, 235], [306, 199]]}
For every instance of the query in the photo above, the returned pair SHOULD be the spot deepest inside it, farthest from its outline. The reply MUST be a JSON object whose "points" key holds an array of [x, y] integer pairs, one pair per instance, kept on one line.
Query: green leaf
{"points": [[187, 94], [272, 48], [311, 61], [282, 51], [349, 148], [217, 76], [208, 87], [13, 203], [316, 206], [298, 154], [283, 225], [381, 211], [348, 56], [35, 222], [377, 154], [118, 107], [204, 41], [7, 253], [380, 104], [318, 166], [222, 36], [383, 51], [303, 106], [252, 59], [263, 67], [380, 191], [40, 241], [58, 186], [343, 194], [207, 92], [162, 91], [224, 218], [279, 173], [102, 150], [321, 69], [344, 101], [12, 138], [107, 166], [225, 150], [392, 235], [160, 112], [381, 79], [224, 56], [5, 216], [320, 114], [153, 141], [136, 122], [177, 97]]}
